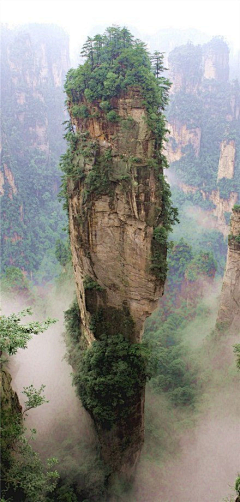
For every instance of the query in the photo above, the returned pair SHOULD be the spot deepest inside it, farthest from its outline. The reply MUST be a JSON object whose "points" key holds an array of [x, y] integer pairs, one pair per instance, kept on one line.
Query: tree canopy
{"points": [[114, 62], [14, 336]]}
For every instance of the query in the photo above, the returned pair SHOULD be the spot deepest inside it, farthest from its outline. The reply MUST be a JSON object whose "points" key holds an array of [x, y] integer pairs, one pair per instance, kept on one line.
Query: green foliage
{"points": [[105, 106], [112, 116], [34, 397], [14, 335], [115, 62], [179, 257], [24, 476], [232, 239], [110, 378], [89, 283], [62, 252], [75, 343], [187, 59], [236, 208], [237, 485], [109, 320], [186, 108], [202, 264], [159, 253], [199, 236], [80, 111], [172, 364], [73, 321]]}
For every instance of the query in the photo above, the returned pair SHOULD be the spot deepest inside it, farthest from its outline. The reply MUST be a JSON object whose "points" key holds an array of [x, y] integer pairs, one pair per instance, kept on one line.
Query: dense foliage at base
{"points": [[110, 378]]}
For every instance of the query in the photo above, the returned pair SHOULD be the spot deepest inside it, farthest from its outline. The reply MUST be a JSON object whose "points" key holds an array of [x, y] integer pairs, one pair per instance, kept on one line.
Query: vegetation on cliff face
{"points": [[172, 366], [203, 115]]}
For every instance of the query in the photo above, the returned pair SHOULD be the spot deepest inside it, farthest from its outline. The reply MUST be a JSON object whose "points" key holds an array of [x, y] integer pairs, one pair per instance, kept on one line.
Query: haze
{"points": [[83, 17]]}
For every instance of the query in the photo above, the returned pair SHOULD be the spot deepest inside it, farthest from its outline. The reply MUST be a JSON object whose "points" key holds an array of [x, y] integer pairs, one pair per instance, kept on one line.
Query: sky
{"points": [[81, 18]]}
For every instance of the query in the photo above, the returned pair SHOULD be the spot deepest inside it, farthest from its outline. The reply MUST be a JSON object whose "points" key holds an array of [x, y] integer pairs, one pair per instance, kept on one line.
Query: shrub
{"points": [[112, 116]]}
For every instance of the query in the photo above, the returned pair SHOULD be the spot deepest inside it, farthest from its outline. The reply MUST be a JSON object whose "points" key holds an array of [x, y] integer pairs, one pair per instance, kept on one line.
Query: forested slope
{"points": [[34, 63]]}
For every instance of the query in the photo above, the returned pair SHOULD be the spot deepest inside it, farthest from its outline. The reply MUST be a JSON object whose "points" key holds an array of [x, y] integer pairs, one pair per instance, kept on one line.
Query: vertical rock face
{"points": [[229, 311], [216, 60], [112, 244], [111, 232], [180, 137], [119, 217], [227, 160]]}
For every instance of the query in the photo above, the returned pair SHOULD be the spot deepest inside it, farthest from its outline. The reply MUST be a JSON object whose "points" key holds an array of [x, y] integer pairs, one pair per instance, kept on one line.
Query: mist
{"points": [[83, 18], [189, 454], [64, 429]]}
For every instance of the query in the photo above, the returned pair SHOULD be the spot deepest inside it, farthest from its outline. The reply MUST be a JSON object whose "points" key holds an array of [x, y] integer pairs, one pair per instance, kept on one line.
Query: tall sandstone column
{"points": [[119, 217]]}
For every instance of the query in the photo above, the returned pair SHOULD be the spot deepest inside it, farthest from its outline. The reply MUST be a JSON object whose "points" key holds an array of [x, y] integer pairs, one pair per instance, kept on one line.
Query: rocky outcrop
{"points": [[216, 60], [115, 206], [229, 310], [227, 160], [10, 181], [222, 206], [181, 136]]}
